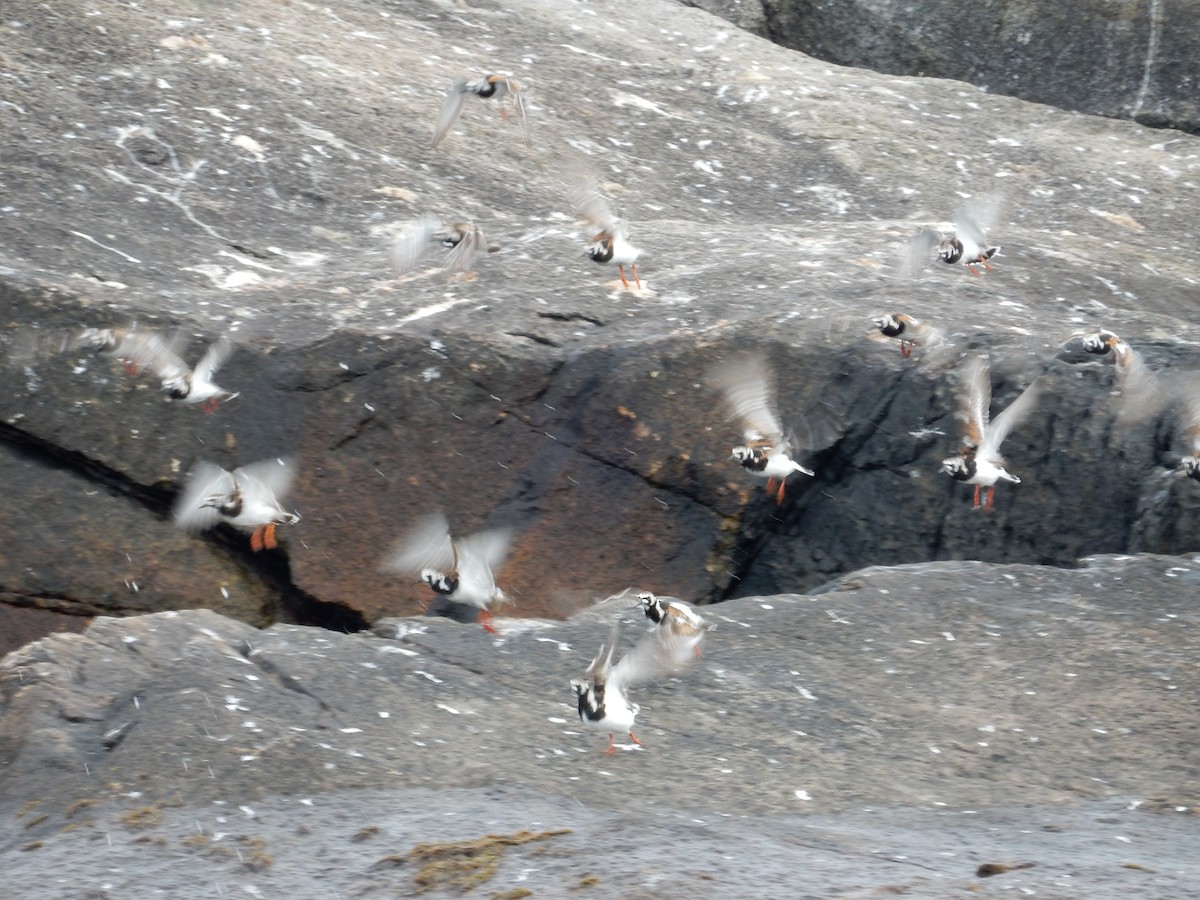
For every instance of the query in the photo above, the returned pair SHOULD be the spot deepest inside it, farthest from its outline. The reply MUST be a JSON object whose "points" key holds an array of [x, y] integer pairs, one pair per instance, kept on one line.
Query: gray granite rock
{"points": [[1125, 59], [245, 172], [892, 732]]}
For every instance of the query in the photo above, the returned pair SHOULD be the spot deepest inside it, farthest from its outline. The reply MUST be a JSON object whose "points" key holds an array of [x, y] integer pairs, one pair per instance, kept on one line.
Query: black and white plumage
{"points": [[978, 461], [161, 354], [608, 239], [678, 625], [250, 499], [505, 90], [748, 388], [910, 331], [602, 694], [463, 570], [459, 243], [1141, 394], [966, 245]]}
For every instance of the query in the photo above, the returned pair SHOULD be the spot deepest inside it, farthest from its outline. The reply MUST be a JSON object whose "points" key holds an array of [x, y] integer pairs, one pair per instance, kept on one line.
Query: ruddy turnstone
{"points": [[679, 626], [747, 385], [249, 499], [461, 241], [461, 570], [911, 332], [978, 461], [609, 240], [968, 244], [501, 88], [160, 354], [1191, 411], [601, 694], [1141, 394]]}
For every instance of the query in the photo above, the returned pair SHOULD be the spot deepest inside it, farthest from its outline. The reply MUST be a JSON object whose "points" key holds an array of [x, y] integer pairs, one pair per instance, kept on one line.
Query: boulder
{"points": [[909, 729], [1126, 60], [237, 174]]}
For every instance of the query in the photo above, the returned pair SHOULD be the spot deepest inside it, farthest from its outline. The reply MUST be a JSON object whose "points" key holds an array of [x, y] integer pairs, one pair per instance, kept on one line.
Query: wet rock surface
{"points": [[897, 730], [1128, 60]]}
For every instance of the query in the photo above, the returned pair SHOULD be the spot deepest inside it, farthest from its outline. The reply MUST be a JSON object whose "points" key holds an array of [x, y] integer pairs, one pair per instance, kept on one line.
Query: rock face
{"points": [[178, 168], [1127, 59], [931, 719]]}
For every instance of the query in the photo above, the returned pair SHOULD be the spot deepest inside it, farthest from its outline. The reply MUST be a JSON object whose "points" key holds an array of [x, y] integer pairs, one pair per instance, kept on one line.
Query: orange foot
{"points": [[612, 748], [633, 737], [131, 368], [263, 538], [906, 349], [485, 619]]}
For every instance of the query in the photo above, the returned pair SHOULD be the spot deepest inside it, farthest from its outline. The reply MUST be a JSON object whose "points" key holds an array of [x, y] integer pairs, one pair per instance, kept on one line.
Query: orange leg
{"points": [[991, 497], [612, 748], [906, 349], [633, 737], [976, 506], [779, 493], [131, 368], [268, 538], [485, 619], [621, 269], [971, 269], [696, 650], [638, 281], [256, 539]]}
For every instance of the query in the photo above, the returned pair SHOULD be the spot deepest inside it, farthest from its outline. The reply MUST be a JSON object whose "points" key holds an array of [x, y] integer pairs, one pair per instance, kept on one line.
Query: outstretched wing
{"points": [[205, 481], [974, 399], [426, 545], [651, 658], [152, 350], [414, 242], [919, 251], [471, 242], [213, 358], [747, 385], [1013, 415], [479, 556], [268, 480], [452, 108], [974, 219], [591, 206], [602, 664]]}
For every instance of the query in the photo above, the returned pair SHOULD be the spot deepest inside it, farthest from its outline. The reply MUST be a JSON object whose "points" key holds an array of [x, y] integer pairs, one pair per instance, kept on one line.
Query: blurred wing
{"points": [[213, 359], [1013, 415], [651, 658], [479, 556], [204, 481], [465, 252], [451, 109], [269, 480], [1142, 395], [919, 251], [601, 666], [426, 545], [414, 243], [746, 383], [976, 218], [591, 206], [518, 99], [1191, 413], [151, 350], [974, 399]]}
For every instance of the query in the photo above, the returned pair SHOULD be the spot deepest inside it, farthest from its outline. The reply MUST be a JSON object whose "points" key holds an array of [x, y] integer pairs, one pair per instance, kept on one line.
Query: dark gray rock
{"points": [[177, 167], [893, 732], [1129, 59]]}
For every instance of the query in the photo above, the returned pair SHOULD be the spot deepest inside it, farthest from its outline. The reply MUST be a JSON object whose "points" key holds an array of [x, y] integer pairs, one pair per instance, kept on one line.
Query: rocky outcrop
{"points": [[1128, 60], [897, 730], [210, 173]]}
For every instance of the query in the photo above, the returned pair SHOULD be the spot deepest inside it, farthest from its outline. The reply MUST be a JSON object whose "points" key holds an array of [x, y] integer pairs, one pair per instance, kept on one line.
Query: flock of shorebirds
{"points": [[461, 570]]}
